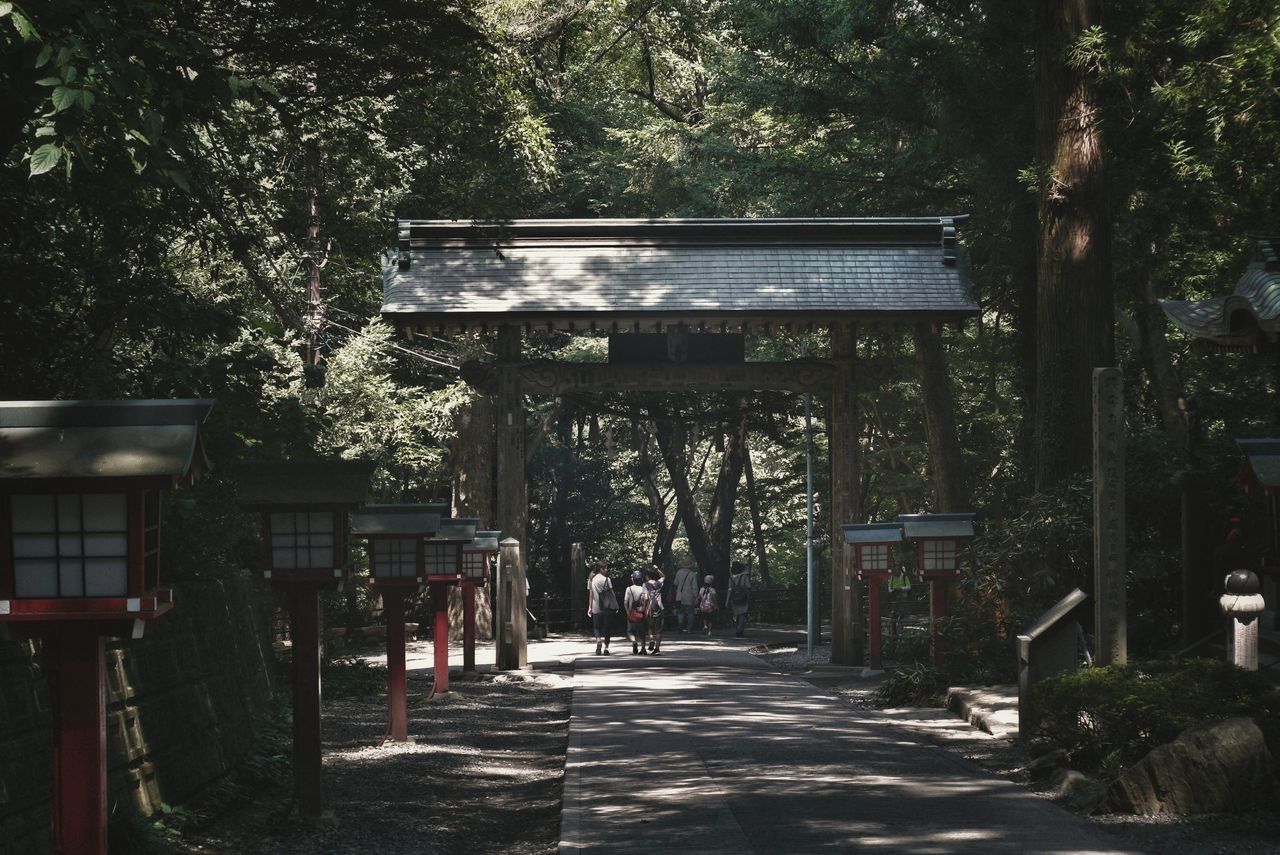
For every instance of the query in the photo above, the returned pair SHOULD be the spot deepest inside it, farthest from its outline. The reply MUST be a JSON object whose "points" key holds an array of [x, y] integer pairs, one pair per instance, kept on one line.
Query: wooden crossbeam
{"points": [[549, 377]]}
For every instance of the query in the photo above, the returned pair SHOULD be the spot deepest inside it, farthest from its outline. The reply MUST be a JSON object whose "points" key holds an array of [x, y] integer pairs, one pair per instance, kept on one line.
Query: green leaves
{"points": [[44, 158], [64, 98]]}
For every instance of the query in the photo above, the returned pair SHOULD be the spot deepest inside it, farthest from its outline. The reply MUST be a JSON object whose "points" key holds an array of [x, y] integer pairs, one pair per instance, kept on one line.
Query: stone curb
{"points": [[993, 709]]}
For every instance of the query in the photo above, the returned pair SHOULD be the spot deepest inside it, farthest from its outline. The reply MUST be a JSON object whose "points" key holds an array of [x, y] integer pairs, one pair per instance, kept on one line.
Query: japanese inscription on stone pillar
{"points": [[1108, 516]]}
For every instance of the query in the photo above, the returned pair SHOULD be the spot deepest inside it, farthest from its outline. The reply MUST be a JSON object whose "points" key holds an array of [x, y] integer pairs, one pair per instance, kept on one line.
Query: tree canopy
{"points": [[158, 161]]}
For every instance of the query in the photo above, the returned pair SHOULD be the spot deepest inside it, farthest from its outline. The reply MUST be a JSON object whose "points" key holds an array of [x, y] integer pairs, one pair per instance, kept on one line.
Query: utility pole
{"points": [[315, 302]]}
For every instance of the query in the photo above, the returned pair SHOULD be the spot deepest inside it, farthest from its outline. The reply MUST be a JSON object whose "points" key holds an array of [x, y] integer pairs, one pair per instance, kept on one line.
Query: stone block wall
{"points": [[181, 706]]}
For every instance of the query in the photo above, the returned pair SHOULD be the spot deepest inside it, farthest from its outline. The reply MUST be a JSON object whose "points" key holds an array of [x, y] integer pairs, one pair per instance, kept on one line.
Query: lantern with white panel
{"points": [[80, 502], [304, 507], [397, 567], [478, 557], [938, 539], [873, 545], [444, 568]]}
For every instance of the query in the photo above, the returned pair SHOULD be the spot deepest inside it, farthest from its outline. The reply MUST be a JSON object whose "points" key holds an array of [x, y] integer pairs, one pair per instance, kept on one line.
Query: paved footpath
{"points": [[703, 749]]}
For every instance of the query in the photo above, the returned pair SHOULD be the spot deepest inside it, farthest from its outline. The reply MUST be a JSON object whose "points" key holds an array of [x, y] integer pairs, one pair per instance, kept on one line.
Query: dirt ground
{"points": [[485, 774]]}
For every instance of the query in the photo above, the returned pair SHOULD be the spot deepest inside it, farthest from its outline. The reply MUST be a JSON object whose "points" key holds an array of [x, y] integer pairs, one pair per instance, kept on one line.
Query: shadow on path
{"points": [[704, 749]]}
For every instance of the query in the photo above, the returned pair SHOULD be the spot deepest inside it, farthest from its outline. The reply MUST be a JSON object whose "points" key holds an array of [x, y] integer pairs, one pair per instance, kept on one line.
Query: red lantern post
{"points": [[477, 557], [873, 561], [80, 485], [304, 507], [397, 568], [443, 556], [937, 538]]}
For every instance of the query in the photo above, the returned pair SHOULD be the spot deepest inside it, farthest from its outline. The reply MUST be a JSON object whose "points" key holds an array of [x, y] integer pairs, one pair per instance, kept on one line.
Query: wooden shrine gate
{"points": [[701, 285]]}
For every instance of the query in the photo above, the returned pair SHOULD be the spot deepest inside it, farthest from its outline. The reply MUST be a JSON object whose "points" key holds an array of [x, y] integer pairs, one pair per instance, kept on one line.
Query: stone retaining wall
{"points": [[181, 705]]}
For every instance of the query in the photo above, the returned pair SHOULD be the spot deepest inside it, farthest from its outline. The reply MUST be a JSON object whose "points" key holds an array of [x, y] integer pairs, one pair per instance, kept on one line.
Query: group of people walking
{"points": [[644, 605]]}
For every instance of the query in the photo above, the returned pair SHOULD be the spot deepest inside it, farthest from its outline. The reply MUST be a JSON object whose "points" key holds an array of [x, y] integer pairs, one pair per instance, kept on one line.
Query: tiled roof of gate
{"points": [[612, 271]]}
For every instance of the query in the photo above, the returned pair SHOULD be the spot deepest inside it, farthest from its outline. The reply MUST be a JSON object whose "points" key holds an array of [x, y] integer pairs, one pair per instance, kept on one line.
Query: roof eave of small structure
{"points": [[926, 526], [1248, 317], [461, 528], [1261, 463], [485, 541], [394, 521], [153, 439], [279, 485], [885, 532]]}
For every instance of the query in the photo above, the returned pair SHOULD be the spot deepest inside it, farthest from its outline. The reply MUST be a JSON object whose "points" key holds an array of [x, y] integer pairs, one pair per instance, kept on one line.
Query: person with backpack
{"points": [[686, 595], [601, 604], [707, 601], [636, 601], [737, 598], [654, 617]]}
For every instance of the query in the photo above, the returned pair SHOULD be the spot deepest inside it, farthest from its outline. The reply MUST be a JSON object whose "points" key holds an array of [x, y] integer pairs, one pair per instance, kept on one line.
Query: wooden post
{"points": [[74, 655], [873, 626], [512, 645], [440, 635], [577, 586], [397, 689], [1108, 517], [468, 626], [842, 439], [308, 765], [513, 497], [938, 594]]}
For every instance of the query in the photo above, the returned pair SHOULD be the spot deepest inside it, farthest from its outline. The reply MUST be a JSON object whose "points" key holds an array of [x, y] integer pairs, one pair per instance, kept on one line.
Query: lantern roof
{"points": [[303, 483], [460, 528], [102, 439], [485, 541], [867, 533], [937, 526], [396, 520], [1261, 469]]}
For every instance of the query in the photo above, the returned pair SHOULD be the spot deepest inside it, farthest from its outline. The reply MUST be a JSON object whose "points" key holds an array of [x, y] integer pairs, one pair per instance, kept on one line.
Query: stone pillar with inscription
{"points": [[512, 644], [1109, 517], [842, 439]]}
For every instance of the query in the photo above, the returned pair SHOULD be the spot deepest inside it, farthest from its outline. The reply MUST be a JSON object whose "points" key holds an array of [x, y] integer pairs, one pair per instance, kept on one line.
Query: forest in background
{"points": [[163, 164]]}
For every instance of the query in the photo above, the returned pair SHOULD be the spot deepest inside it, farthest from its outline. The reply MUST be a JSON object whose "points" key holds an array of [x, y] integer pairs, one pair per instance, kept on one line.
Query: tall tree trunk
{"points": [[1075, 303], [939, 418], [843, 424], [471, 464], [1146, 330], [664, 529], [757, 525], [710, 537], [725, 496]]}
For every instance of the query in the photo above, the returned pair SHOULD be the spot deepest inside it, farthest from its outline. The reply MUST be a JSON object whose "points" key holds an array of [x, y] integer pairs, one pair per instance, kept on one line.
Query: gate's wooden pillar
{"points": [[577, 586], [842, 439], [513, 495]]}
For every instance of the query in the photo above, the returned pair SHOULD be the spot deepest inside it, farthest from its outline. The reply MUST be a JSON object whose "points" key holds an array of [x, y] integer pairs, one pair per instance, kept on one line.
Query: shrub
{"points": [[350, 678], [915, 685], [1108, 718]]}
